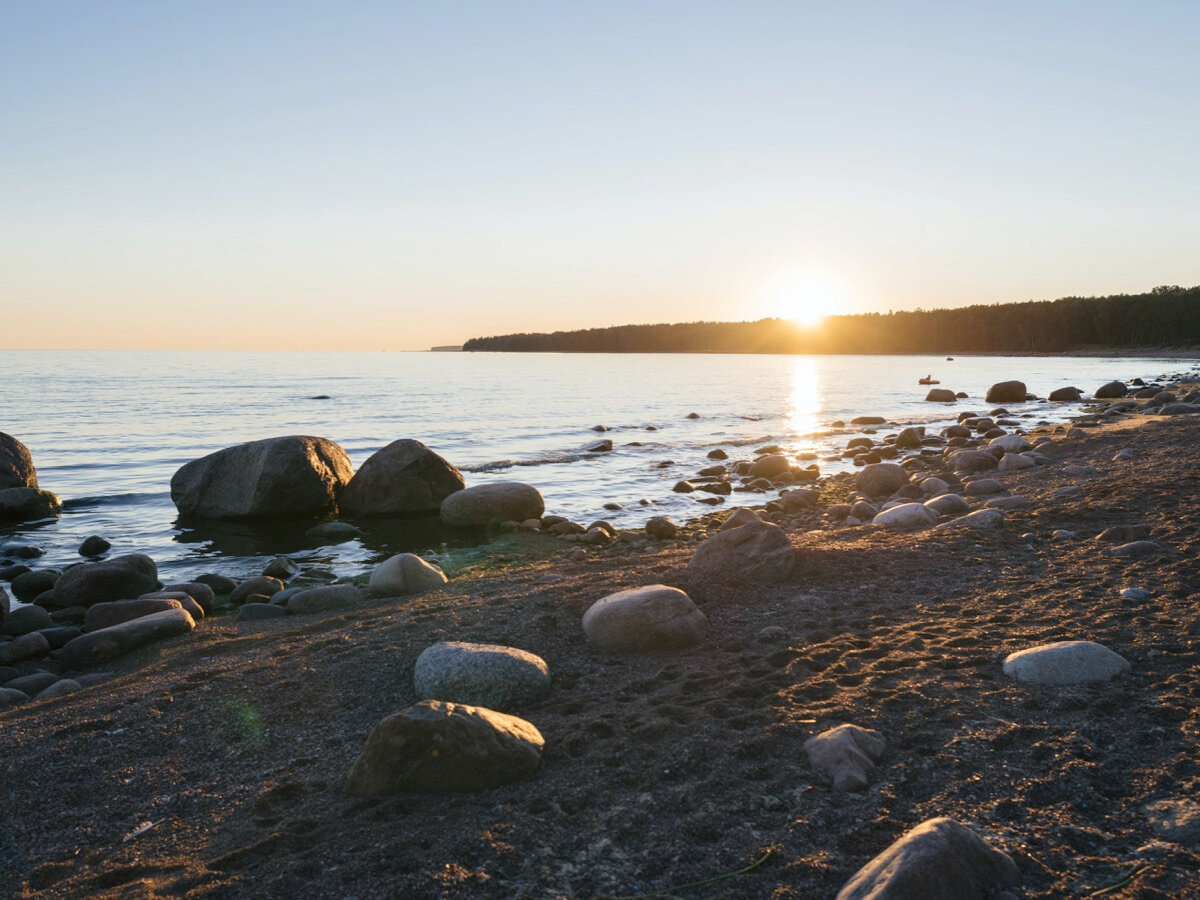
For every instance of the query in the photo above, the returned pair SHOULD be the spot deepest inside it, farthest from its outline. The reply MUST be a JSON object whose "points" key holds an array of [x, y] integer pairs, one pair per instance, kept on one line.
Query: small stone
{"points": [[281, 567], [1134, 593], [94, 546], [1137, 550], [981, 518], [845, 756], [1065, 662], [219, 583], [404, 574], [661, 527], [488, 675], [263, 584]]}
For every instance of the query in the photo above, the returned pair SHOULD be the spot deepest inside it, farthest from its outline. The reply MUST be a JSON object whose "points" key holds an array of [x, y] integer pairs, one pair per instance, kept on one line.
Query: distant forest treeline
{"points": [[1168, 316]]}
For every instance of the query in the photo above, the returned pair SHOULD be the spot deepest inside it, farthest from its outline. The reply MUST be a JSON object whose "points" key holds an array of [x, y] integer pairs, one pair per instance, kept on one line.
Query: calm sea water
{"points": [[108, 429]]}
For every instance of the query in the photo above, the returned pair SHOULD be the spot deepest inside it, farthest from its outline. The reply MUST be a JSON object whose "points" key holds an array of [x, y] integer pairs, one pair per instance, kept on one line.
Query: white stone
{"points": [[1065, 662]]}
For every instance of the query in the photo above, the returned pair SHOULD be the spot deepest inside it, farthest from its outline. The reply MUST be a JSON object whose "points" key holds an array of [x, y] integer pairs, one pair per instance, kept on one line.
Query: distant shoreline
{"points": [[1095, 353]]}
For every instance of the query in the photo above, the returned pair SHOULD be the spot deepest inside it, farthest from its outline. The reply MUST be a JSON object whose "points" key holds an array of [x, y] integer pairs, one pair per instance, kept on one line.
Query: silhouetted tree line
{"points": [[1167, 316]]}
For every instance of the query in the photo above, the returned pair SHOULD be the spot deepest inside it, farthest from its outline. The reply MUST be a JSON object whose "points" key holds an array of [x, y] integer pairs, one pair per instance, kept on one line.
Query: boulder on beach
{"points": [[27, 646], [324, 599], [906, 517], [295, 475], [653, 617], [266, 585], [966, 461], [25, 619], [1010, 443], [488, 675], [1065, 662], [405, 476], [440, 747], [488, 504], [758, 552], [16, 464], [948, 505], [1066, 395], [940, 859], [1111, 391], [769, 466], [981, 518], [845, 756], [881, 479], [661, 527], [1015, 462], [119, 578], [940, 395], [27, 504], [1006, 392], [1179, 409], [114, 612], [406, 573], [97, 647]]}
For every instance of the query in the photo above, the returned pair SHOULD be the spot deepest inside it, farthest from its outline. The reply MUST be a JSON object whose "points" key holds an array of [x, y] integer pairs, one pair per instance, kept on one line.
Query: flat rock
{"points": [[845, 756], [1137, 550], [907, 517], [403, 477], [440, 747], [256, 612], [754, 552], [940, 859], [108, 643], [324, 599], [333, 532], [488, 504], [653, 617], [981, 518], [114, 612], [403, 574], [1065, 662], [1013, 502], [488, 675]]}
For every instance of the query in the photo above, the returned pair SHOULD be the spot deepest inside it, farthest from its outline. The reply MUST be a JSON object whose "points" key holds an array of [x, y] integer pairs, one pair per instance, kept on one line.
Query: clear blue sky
{"points": [[388, 175]]}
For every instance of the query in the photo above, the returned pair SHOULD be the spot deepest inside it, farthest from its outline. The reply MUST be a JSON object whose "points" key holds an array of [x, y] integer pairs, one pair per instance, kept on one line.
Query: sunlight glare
{"points": [[806, 397], [806, 297]]}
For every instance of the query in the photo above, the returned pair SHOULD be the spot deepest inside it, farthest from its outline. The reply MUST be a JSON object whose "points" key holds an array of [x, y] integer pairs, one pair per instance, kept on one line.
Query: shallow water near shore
{"points": [[107, 429]]}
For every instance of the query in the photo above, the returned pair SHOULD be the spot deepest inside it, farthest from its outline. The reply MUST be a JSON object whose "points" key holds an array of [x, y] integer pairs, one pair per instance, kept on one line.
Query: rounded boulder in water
{"points": [[489, 504]]}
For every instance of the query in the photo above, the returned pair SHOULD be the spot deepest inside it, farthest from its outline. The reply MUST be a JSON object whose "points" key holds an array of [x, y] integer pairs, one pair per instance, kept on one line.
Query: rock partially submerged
{"points": [[405, 476], [489, 504], [1006, 392], [27, 504], [119, 578], [440, 747], [940, 859]]}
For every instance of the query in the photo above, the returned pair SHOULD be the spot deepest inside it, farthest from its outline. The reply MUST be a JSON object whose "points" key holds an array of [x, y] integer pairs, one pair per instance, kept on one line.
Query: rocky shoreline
{"points": [[819, 649]]}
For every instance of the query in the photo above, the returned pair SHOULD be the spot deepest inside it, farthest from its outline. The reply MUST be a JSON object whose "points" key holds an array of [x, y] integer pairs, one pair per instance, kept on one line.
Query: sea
{"points": [[107, 429]]}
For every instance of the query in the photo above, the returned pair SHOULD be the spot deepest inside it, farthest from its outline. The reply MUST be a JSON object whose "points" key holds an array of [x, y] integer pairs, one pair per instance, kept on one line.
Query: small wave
{"points": [[131, 499], [549, 459]]}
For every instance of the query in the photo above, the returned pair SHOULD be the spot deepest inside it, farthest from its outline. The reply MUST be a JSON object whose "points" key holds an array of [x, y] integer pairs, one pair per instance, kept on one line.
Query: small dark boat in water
{"points": [[928, 380]]}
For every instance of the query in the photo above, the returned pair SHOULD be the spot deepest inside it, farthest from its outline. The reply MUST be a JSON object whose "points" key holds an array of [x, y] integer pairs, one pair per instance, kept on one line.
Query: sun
{"points": [[806, 297]]}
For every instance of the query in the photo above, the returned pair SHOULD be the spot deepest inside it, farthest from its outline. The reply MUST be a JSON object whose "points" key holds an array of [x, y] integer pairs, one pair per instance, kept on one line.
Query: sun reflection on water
{"points": [[806, 396]]}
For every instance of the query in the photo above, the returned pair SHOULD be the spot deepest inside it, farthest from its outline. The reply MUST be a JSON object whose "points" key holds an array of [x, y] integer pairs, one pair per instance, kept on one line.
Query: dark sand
{"points": [[670, 767]]}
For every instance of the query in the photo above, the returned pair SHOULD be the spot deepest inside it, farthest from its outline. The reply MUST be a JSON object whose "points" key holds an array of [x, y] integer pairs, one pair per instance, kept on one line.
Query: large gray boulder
{"points": [[487, 504], [1065, 662], [16, 464], [119, 578], [488, 675], [757, 551], [405, 476], [1065, 395], [97, 647], [282, 476], [406, 573], [440, 747], [27, 504], [1006, 392], [881, 479], [654, 617], [940, 859], [1111, 391]]}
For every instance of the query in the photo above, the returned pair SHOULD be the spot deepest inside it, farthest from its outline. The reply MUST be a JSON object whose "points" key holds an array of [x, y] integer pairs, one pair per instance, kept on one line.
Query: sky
{"points": [[397, 175]]}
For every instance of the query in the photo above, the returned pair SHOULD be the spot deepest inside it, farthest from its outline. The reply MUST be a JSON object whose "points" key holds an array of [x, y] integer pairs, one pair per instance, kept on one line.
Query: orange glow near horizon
{"points": [[806, 297]]}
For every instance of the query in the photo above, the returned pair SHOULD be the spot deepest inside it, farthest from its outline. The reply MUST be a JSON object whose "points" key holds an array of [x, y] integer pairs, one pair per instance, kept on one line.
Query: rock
{"points": [[488, 675], [32, 685], [261, 584], [799, 499], [405, 476], [25, 619], [932, 487], [940, 395], [26, 504], [16, 464], [769, 466], [845, 756], [1010, 443], [738, 517], [981, 487], [863, 511], [940, 859], [1135, 594], [323, 599], [255, 612], [910, 438], [948, 505], [203, 595], [868, 420], [692, 415], [906, 517], [112, 579], [600, 446], [683, 487], [10, 573], [60, 635], [717, 454], [1120, 534], [404, 574], [1066, 395], [94, 546], [1179, 409], [661, 527], [31, 585], [1111, 391], [654, 617], [27, 646], [60, 688], [1007, 503], [281, 567], [1177, 821], [1137, 550], [755, 552], [1065, 662], [105, 615], [981, 518], [220, 584], [439, 747], [881, 479], [333, 532], [1015, 462], [967, 461], [1006, 392], [9, 698], [282, 476], [1081, 471], [108, 643], [1123, 455], [485, 504]]}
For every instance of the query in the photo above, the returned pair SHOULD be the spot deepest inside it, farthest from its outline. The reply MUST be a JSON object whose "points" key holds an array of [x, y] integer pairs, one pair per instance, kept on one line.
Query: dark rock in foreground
{"points": [[440, 747], [405, 476], [108, 643], [16, 464], [754, 552], [27, 504], [283, 476], [119, 578]]}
